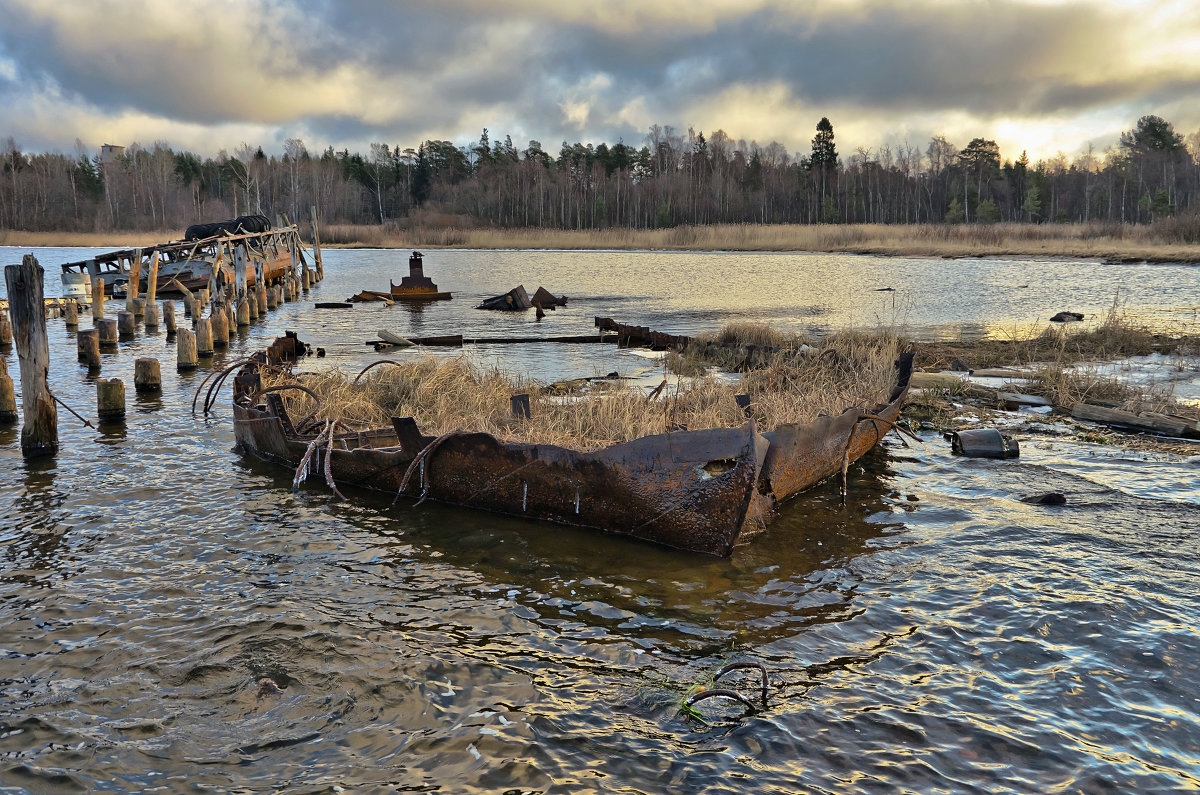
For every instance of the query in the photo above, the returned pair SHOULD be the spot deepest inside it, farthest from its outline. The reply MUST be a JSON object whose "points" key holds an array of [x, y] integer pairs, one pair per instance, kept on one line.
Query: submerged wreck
{"points": [[699, 490], [416, 286]]}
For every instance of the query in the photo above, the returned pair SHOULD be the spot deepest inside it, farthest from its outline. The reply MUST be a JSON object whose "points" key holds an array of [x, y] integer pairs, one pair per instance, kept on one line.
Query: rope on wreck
{"points": [[418, 460], [892, 425]]}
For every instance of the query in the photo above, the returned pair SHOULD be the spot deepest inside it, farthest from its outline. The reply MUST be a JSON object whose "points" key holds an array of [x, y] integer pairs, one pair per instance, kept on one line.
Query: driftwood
{"points": [[1153, 423], [39, 434]]}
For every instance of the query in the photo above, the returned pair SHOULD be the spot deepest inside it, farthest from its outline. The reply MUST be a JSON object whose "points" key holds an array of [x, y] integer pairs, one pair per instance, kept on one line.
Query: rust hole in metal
{"points": [[719, 467]]}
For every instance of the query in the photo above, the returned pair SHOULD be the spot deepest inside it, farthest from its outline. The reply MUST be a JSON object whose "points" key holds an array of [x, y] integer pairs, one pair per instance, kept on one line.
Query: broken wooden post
{"points": [[135, 279], [71, 313], [139, 307], [168, 314], [152, 280], [110, 399], [219, 324], [204, 337], [27, 306], [317, 245], [151, 316], [6, 333], [305, 280], [243, 313], [97, 298], [106, 328], [272, 299], [8, 397], [185, 347], [260, 293], [520, 406], [126, 325], [88, 345], [147, 377], [252, 305]]}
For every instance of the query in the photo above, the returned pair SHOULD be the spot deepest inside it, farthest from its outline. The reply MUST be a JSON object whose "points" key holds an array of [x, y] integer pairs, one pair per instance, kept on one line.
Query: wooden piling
{"points": [[204, 337], [219, 323], [152, 279], [231, 315], [110, 399], [147, 377], [243, 313], [97, 299], [260, 293], [126, 325], [151, 316], [6, 332], [88, 345], [271, 299], [252, 305], [168, 315], [317, 245], [27, 306], [305, 279], [8, 398], [71, 313], [135, 280], [139, 307], [106, 328], [185, 346]]}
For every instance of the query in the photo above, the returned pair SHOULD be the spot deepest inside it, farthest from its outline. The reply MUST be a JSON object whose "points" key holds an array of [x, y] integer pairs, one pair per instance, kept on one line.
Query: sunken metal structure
{"points": [[704, 491]]}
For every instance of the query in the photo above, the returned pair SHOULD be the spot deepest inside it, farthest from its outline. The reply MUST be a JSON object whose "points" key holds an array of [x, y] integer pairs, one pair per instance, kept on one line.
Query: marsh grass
{"points": [[454, 394]]}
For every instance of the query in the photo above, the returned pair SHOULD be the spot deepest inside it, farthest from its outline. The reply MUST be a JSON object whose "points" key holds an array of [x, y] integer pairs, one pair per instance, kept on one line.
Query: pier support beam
{"points": [[97, 299], [168, 314], [126, 325], [8, 397], [147, 377], [71, 313], [204, 337], [88, 344], [185, 347], [110, 399], [27, 305], [106, 329]]}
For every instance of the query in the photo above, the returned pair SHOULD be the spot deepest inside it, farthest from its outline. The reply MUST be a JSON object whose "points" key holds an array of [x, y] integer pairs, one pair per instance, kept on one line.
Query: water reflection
{"points": [[32, 551]]}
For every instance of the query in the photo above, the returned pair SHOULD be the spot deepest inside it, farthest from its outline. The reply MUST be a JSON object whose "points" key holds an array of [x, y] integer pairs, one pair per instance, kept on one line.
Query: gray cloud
{"points": [[359, 70]]}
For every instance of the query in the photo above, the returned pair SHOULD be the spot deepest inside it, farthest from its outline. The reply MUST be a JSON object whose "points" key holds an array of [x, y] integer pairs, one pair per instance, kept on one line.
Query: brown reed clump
{"points": [[454, 394]]}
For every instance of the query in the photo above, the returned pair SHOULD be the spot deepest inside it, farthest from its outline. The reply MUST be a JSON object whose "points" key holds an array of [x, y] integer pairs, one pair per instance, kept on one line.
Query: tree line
{"points": [[673, 178]]}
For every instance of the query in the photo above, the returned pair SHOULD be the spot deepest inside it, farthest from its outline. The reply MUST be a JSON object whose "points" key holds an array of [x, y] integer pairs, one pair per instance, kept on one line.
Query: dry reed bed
{"points": [[453, 394], [1160, 242]]}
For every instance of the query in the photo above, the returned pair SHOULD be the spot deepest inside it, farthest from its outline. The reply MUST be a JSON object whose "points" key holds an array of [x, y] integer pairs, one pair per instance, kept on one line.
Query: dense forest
{"points": [[674, 178]]}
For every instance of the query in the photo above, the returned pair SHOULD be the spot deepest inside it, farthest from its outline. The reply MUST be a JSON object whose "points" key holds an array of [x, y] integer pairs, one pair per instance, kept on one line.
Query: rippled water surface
{"points": [[937, 635]]}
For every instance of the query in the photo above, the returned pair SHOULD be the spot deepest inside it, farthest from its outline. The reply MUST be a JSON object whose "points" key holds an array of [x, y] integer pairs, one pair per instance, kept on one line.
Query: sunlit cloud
{"points": [[1035, 75]]}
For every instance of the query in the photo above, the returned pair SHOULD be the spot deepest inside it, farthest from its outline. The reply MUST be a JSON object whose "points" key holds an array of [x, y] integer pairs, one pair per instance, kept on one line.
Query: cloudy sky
{"points": [[1041, 75]]}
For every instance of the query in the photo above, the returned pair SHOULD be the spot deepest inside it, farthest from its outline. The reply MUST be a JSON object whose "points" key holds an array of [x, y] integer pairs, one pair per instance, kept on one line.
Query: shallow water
{"points": [[936, 635]]}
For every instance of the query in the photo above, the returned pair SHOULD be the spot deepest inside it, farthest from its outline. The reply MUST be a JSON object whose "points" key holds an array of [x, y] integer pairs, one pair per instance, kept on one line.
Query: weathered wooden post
{"points": [[6, 332], [204, 337], [97, 299], [317, 245], [185, 347], [305, 279], [8, 397], [252, 305], [151, 317], [219, 324], [139, 307], [110, 399], [260, 293], [88, 345], [126, 325], [71, 313], [147, 376], [152, 279], [106, 328], [168, 313], [27, 305], [135, 279], [243, 312]]}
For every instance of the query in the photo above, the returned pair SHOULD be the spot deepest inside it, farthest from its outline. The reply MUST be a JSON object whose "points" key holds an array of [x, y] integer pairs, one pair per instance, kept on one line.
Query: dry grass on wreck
{"points": [[454, 394]]}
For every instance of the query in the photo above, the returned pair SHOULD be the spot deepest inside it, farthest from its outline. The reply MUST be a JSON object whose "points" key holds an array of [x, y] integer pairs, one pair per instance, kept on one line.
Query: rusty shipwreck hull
{"points": [[704, 491]]}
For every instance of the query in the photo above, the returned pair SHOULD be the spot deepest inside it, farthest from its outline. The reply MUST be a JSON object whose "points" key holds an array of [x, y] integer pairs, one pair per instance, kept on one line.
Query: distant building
{"points": [[110, 152]]}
